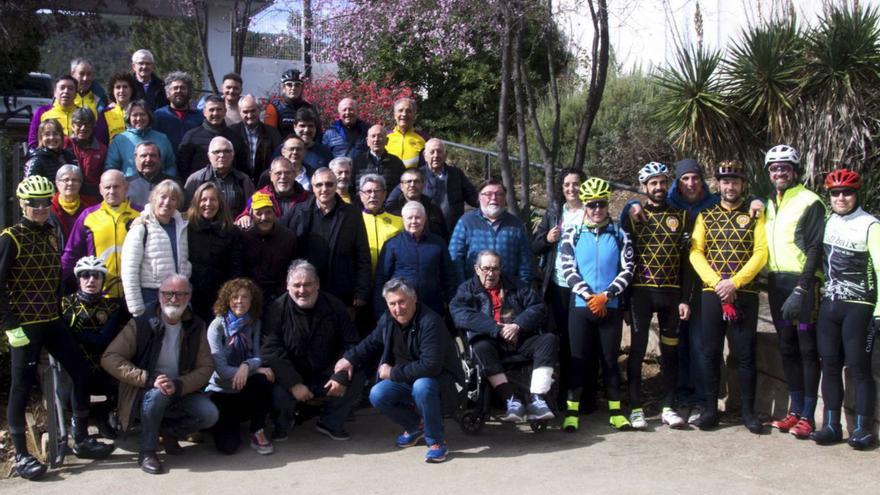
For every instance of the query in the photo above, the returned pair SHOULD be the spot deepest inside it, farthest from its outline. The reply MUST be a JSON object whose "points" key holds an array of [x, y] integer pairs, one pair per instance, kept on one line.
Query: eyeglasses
{"points": [[595, 205], [489, 269], [38, 202], [780, 169], [370, 192], [170, 295], [90, 274], [69, 180], [323, 184], [292, 84], [842, 192], [221, 152], [498, 194]]}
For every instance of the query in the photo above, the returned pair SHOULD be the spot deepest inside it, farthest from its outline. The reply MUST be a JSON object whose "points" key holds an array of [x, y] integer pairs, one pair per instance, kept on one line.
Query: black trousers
{"points": [[645, 302], [843, 340], [252, 404], [797, 339], [542, 349], [591, 338], [742, 336]]}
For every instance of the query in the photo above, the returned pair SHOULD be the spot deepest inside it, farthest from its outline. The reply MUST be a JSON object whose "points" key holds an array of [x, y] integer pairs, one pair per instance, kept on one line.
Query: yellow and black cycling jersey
{"points": [[658, 246]]}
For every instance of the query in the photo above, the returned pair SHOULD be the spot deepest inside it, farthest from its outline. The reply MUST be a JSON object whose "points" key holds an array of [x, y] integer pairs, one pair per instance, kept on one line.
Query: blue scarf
{"points": [[238, 341]]}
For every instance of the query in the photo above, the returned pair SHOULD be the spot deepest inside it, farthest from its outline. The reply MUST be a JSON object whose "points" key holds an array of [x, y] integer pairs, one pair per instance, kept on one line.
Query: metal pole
{"points": [[3, 198]]}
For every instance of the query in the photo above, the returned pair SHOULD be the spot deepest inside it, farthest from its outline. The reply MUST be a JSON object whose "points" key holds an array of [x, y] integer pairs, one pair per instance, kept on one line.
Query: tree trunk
{"points": [[504, 108], [598, 74], [201, 15], [524, 164], [241, 20], [307, 38]]}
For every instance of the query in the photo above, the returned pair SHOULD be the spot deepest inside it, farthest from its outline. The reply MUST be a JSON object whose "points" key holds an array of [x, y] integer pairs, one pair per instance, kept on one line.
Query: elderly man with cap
{"points": [[268, 248]]}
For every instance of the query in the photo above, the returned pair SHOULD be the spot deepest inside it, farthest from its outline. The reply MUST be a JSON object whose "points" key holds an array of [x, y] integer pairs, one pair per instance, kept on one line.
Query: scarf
{"points": [[88, 298], [591, 225], [238, 342], [69, 207]]}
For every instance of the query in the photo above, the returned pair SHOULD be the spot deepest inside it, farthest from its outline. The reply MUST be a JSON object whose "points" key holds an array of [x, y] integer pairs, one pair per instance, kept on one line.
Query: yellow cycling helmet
{"points": [[595, 188], [35, 186]]}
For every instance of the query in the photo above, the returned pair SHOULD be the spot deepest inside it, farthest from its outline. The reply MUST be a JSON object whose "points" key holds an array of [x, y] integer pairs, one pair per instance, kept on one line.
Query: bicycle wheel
{"points": [[56, 426]]}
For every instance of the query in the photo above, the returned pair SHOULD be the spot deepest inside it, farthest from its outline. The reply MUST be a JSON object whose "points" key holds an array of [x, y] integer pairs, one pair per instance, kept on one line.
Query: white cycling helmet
{"points": [[652, 169], [782, 153], [90, 263]]}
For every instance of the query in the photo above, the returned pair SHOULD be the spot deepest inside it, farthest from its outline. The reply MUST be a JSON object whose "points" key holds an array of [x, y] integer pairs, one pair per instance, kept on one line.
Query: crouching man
{"points": [[162, 361]]}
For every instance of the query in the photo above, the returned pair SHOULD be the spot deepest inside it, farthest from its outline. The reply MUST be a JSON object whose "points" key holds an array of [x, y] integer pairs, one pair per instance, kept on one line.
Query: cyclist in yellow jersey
{"points": [[728, 249], [404, 141]]}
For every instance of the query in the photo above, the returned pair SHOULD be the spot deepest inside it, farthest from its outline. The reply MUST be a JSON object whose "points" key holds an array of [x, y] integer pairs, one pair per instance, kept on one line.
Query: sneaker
{"points": [[637, 419], [620, 422], [334, 433], [570, 424], [516, 413], [694, 415], [786, 423], [436, 453], [91, 448], [278, 435], [753, 424], [28, 467], [537, 410], [260, 443], [671, 418], [408, 439], [707, 420], [802, 429]]}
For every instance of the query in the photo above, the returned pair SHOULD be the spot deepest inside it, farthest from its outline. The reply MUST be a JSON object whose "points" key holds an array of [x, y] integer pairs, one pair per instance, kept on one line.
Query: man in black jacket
{"points": [[417, 368], [412, 183], [377, 160], [260, 140], [150, 87], [504, 317], [331, 235], [306, 331], [192, 154]]}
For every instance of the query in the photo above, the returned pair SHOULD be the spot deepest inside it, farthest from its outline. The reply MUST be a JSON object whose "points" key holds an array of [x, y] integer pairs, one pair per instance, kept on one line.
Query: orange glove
{"points": [[597, 304]]}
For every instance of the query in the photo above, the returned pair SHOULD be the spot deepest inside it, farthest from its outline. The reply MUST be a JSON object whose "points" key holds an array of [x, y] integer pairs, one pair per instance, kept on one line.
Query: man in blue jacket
{"points": [[347, 136], [504, 317], [417, 368]]}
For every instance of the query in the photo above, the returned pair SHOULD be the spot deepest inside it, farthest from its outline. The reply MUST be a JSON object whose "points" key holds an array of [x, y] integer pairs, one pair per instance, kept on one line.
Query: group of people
{"points": [[214, 269]]}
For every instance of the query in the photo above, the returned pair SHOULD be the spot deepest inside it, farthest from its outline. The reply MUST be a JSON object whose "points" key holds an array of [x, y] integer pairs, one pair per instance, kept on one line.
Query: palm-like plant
{"points": [[763, 72], [694, 108]]}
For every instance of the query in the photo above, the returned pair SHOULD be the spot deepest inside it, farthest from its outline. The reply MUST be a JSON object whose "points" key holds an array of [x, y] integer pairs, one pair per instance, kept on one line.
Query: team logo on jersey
{"points": [[742, 220], [101, 316], [672, 223]]}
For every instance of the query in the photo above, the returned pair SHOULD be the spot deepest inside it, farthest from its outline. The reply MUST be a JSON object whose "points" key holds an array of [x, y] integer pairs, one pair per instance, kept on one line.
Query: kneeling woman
{"points": [[597, 263], [241, 386], [849, 310]]}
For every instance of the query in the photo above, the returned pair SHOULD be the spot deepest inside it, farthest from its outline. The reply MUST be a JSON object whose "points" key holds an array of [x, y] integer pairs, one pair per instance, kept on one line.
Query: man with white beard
{"points": [[162, 361]]}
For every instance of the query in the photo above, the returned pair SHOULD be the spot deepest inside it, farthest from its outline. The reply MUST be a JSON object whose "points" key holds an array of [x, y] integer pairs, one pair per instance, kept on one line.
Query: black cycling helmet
{"points": [[291, 75]]}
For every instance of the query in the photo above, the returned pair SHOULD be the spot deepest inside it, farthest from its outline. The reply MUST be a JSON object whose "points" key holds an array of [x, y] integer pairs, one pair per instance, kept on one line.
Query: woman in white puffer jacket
{"points": [[155, 247]]}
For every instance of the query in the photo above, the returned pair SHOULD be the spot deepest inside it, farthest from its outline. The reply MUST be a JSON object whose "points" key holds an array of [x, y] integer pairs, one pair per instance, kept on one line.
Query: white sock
{"points": [[542, 378]]}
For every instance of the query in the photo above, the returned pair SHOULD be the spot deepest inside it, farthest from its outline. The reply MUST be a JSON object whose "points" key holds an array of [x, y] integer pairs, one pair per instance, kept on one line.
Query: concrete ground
{"points": [[501, 459]]}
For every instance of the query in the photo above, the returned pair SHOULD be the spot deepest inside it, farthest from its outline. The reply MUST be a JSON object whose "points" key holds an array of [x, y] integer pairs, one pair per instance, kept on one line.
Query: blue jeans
{"points": [[173, 415], [334, 412], [403, 403], [689, 389]]}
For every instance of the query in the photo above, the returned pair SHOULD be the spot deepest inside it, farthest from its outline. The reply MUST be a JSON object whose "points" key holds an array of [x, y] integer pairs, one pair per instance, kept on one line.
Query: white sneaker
{"points": [[671, 418], [637, 419], [696, 412]]}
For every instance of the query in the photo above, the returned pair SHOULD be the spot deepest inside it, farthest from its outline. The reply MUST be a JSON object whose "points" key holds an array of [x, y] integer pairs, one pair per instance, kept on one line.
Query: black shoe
{"points": [[171, 445], [150, 463], [278, 435], [708, 420], [28, 467], [105, 429], [335, 434], [753, 424], [861, 439], [829, 434], [91, 448]]}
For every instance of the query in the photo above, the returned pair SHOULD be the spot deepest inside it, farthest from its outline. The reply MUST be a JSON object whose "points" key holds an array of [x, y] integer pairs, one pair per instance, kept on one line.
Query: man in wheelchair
{"points": [[504, 318]]}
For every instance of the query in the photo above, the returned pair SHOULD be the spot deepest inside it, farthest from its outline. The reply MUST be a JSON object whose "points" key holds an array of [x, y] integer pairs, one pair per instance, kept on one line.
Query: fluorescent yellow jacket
{"points": [[115, 117], [61, 114], [728, 244], [88, 100], [408, 147], [380, 228], [108, 229], [788, 229]]}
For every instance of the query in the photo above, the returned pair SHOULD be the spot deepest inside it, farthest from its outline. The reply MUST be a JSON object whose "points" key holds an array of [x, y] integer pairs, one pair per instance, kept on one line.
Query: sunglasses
{"points": [[842, 192], [91, 274], [779, 169], [38, 202], [169, 295], [595, 205]]}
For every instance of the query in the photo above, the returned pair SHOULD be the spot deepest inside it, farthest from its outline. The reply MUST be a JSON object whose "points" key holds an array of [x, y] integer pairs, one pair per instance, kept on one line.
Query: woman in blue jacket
{"points": [[139, 122], [597, 263]]}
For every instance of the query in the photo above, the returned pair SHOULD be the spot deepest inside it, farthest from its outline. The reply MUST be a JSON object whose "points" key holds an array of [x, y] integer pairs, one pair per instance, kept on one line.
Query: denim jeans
{"points": [[334, 412], [174, 415], [409, 405]]}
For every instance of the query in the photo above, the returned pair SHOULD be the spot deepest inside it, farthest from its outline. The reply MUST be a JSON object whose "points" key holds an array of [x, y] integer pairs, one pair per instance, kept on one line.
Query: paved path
{"points": [[502, 459]]}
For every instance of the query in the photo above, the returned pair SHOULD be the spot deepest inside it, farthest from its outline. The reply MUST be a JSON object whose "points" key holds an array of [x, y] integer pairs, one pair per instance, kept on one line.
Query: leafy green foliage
{"points": [[174, 43]]}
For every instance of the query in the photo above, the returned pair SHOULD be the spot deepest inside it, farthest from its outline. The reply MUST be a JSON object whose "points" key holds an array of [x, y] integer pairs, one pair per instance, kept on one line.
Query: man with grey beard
{"points": [[162, 361], [491, 227]]}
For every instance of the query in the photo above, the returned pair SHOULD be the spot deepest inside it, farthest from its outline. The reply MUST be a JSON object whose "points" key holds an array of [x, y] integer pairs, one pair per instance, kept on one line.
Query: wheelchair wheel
{"points": [[538, 426], [471, 422], [56, 425]]}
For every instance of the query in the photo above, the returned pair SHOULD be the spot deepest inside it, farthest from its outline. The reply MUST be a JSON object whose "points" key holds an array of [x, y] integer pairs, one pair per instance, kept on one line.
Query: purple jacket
{"points": [[100, 133]]}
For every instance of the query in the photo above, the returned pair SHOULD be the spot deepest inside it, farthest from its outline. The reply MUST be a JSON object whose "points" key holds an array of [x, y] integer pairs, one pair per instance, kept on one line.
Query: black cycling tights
{"points": [[590, 338], [742, 336], [645, 302], [58, 340], [842, 337], [797, 339]]}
